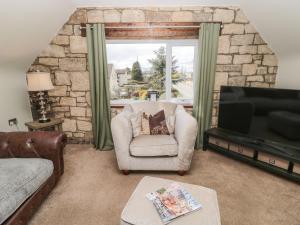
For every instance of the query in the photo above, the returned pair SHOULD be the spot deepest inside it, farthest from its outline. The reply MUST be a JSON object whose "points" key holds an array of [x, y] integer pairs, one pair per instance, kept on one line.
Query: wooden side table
{"points": [[54, 124]]}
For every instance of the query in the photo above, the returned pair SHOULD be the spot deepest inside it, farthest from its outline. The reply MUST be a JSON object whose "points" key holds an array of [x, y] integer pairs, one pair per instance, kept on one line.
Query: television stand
{"points": [[280, 160]]}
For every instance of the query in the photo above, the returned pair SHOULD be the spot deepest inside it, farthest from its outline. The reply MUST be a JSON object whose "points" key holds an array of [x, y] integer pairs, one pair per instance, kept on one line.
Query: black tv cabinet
{"points": [[259, 154]]}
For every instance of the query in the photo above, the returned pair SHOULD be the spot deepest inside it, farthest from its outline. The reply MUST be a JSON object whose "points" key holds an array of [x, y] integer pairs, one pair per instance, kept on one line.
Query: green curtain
{"points": [[100, 93], [205, 78]]}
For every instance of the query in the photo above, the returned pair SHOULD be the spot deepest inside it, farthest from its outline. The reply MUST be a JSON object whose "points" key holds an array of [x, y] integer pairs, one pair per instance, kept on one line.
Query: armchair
{"points": [[154, 152]]}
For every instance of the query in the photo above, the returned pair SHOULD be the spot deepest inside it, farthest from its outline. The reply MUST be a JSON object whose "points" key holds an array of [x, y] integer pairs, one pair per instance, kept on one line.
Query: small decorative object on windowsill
{"points": [[40, 82], [153, 95]]}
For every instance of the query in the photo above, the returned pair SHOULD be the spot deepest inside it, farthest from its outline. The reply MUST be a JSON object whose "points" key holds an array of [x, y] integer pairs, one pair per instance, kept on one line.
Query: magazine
{"points": [[172, 202]]}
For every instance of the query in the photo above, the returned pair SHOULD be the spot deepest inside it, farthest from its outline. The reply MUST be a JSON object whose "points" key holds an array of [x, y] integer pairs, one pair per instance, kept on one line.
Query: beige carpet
{"points": [[93, 192]]}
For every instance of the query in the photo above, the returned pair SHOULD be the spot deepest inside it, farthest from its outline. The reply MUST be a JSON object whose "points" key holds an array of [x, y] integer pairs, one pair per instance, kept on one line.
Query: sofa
{"points": [[154, 152], [31, 164]]}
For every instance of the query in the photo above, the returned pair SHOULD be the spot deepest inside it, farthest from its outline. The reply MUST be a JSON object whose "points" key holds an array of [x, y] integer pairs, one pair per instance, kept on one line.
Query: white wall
{"points": [[289, 72], [26, 28], [14, 99]]}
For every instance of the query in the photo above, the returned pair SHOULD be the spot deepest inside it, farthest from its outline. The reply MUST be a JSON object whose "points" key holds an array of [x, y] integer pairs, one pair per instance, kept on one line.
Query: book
{"points": [[173, 202]]}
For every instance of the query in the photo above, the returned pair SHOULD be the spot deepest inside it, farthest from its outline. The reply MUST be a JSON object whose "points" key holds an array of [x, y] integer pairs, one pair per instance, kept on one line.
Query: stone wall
{"points": [[244, 59]]}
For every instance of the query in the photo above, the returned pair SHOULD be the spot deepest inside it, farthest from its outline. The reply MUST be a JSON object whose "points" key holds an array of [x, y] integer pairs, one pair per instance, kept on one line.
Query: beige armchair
{"points": [[154, 152]]}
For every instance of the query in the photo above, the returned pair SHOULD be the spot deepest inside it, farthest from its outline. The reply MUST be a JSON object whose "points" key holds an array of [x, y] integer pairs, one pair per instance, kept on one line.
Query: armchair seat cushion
{"points": [[154, 145]]}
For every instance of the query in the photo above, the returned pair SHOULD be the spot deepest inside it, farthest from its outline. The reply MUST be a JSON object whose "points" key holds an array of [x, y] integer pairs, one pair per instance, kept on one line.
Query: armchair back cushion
{"points": [[154, 107]]}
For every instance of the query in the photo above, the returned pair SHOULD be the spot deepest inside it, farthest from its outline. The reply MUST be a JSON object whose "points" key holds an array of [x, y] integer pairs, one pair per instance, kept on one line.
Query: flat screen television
{"points": [[264, 114]]}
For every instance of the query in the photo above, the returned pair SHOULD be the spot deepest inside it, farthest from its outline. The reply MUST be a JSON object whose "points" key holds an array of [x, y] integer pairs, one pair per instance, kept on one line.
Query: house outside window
{"points": [[136, 67]]}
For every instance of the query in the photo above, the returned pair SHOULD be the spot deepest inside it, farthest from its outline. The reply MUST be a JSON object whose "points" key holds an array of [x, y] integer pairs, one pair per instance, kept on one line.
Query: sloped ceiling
{"points": [[27, 27]]}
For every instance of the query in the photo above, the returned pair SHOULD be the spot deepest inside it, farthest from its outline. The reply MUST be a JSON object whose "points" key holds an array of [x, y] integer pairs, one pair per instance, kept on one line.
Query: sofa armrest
{"points": [[38, 144], [185, 134], [122, 136]]}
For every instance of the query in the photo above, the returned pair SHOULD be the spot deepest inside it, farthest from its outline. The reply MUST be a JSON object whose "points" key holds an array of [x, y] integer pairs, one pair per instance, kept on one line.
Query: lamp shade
{"points": [[39, 81]]}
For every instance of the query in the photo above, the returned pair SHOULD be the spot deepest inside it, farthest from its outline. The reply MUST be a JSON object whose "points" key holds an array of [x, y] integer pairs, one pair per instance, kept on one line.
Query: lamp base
{"points": [[45, 120]]}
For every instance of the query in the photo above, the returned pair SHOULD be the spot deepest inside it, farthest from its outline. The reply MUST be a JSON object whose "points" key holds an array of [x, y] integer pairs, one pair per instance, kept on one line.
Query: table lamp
{"points": [[40, 82]]}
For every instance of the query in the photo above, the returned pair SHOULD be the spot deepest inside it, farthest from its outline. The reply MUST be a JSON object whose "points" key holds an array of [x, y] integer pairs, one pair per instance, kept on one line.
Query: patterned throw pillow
{"points": [[158, 124]]}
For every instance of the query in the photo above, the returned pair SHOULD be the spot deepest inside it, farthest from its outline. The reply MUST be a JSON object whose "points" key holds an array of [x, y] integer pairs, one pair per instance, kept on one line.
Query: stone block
{"points": [[78, 135], [69, 125], [62, 78], [78, 17], [80, 99], [259, 84], [262, 70], [224, 59], [60, 40], [258, 78], [250, 29], [241, 59], [237, 81], [240, 17], [182, 16], [80, 81], [58, 91], [257, 57], [270, 60], [249, 69], [77, 31], [224, 44], [229, 68], [84, 125], [72, 64], [78, 44], [53, 51], [258, 40], [233, 28], [157, 16], [49, 61], [77, 93], [264, 49], [246, 39], [89, 112], [223, 15], [88, 98], [77, 111], [270, 78], [248, 49], [68, 101], [132, 15], [272, 69], [39, 67], [112, 16], [220, 79], [95, 16], [234, 49], [66, 30], [202, 17], [60, 109]]}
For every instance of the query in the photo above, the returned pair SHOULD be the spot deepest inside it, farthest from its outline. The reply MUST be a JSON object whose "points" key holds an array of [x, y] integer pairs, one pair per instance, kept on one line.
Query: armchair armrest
{"points": [[38, 144], [122, 135], [185, 134]]}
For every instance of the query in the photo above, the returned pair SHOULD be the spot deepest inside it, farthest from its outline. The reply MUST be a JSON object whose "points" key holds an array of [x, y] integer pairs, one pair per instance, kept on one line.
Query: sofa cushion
{"points": [[154, 145], [19, 179]]}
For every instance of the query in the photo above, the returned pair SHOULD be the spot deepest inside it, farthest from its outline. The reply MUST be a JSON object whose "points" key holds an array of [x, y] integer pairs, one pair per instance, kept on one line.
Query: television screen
{"points": [[261, 113]]}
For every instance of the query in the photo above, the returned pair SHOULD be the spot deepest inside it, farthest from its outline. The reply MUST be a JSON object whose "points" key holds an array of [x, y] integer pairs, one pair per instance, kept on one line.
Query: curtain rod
{"points": [[82, 27]]}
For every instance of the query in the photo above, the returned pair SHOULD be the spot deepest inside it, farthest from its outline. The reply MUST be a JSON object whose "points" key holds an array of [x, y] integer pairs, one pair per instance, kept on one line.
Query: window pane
{"points": [[136, 68], [182, 72]]}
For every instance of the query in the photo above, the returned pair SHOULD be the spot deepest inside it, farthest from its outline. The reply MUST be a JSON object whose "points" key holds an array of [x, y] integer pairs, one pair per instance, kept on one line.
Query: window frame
{"points": [[169, 45]]}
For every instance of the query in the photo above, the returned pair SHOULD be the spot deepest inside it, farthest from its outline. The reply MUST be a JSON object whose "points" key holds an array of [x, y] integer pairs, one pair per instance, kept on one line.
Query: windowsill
{"points": [[122, 102]]}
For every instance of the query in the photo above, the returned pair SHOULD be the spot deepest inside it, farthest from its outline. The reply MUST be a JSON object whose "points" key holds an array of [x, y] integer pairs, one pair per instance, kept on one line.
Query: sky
{"points": [[124, 55]]}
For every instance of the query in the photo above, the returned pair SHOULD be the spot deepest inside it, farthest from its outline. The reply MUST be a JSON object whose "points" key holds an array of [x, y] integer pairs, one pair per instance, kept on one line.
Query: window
{"points": [[166, 66]]}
